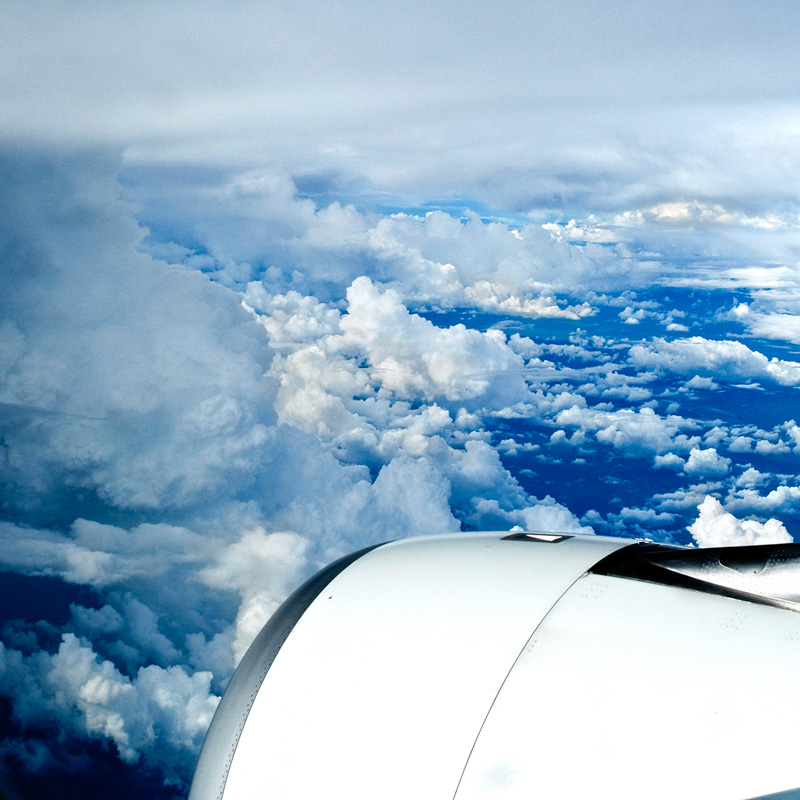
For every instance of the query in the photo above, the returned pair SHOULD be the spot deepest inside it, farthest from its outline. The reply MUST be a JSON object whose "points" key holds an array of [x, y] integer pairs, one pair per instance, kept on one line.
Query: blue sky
{"points": [[285, 280]]}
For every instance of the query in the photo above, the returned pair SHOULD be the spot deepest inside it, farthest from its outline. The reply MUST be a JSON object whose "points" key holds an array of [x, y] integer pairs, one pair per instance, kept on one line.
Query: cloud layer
{"points": [[158, 450]]}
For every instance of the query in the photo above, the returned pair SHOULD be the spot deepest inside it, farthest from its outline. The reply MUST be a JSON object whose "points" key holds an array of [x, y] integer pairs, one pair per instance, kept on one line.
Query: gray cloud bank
{"points": [[162, 68], [529, 108]]}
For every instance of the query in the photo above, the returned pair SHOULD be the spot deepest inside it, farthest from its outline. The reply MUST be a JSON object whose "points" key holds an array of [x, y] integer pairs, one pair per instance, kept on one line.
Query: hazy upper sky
{"points": [[180, 70], [423, 99]]}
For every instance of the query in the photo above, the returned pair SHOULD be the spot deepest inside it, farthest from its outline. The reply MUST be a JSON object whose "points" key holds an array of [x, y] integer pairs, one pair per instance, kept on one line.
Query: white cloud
{"points": [[751, 477], [766, 447], [74, 692], [706, 462], [631, 316], [256, 224], [698, 214], [354, 385], [291, 319], [573, 232], [769, 324], [646, 516], [716, 435], [633, 432], [785, 499], [102, 556], [669, 460], [547, 515], [512, 447], [698, 382], [633, 394], [414, 358], [129, 379], [741, 444], [681, 500], [261, 567], [715, 527], [728, 360]]}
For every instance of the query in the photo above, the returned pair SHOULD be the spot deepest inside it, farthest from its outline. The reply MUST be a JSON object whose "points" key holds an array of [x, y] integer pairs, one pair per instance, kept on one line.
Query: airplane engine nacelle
{"points": [[520, 666]]}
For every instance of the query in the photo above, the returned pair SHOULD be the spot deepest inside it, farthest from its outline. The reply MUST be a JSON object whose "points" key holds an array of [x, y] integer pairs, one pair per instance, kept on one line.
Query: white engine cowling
{"points": [[510, 666]]}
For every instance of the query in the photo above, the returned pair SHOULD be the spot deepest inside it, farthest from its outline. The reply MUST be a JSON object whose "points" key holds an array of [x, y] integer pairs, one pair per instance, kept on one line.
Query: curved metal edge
{"points": [[525, 536], [226, 727]]}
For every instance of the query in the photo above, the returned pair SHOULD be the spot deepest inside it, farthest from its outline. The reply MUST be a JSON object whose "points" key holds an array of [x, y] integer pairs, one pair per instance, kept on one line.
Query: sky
{"points": [[284, 280]]}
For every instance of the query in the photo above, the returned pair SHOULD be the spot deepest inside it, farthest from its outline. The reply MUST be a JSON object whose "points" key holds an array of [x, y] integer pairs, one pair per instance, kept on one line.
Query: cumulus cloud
{"points": [[129, 382], [695, 213], [158, 449], [781, 499], [764, 446], [645, 515], [256, 224], [632, 432], [379, 380], [355, 386], [706, 462], [708, 358], [415, 358], [698, 382], [741, 444], [260, 567], [751, 477], [715, 527], [669, 460], [573, 232], [631, 316], [546, 515], [161, 714], [768, 324]]}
